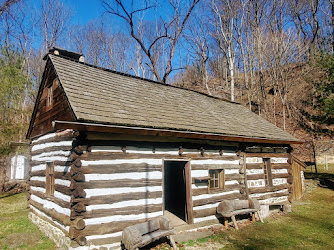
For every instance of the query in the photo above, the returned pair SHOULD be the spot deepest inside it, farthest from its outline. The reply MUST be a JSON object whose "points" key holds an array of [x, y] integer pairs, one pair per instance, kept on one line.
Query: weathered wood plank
{"points": [[267, 155], [64, 114], [280, 166], [108, 228], [205, 212], [254, 165], [120, 168], [57, 175], [268, 189], [200, 191], [255, 176], [215, 166], [122, 211], [217, 199], [57, 201], [108, 199], [61, 188], [56, 163], [61, 218], [51, 149], [119, 183], [56, 138], [283, 175], [263, 197], [112, 155]]}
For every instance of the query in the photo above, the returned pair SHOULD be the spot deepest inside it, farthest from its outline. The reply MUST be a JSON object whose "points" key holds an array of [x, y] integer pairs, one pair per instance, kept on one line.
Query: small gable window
{"points": [[50, 179], [49, 100], [217, 179]]}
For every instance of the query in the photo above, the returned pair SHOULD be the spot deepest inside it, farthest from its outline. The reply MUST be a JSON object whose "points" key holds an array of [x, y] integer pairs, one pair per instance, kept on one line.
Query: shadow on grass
{"points": [[5, 195], [326, 180]]}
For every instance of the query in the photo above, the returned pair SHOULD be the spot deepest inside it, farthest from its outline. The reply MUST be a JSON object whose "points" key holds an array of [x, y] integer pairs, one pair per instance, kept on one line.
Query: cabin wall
{"points": [[277, 189], [103, 186], [205, 201], [51, 213], [123, 184]]}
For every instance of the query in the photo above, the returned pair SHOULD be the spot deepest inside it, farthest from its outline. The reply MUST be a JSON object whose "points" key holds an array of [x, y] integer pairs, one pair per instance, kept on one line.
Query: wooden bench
{"points": [[230, 208], [140, 235]]}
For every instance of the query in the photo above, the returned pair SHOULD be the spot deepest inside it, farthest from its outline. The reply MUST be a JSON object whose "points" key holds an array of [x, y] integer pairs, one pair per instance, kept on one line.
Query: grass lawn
{"points": [[16, 230]]}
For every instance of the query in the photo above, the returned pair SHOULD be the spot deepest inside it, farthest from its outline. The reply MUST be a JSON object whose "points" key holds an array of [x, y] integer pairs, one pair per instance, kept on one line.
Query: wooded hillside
{"points": [[273, 56]]}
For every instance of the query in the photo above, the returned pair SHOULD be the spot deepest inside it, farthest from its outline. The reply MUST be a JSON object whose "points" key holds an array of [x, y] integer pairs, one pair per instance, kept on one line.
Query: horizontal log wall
{"points": [[123, 186], [121, 189], [205, 201], [54, 147], [279, 192]]}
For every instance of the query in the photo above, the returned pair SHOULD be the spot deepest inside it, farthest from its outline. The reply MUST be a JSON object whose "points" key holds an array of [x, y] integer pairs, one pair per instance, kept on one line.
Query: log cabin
{"points": [[109, 150]]}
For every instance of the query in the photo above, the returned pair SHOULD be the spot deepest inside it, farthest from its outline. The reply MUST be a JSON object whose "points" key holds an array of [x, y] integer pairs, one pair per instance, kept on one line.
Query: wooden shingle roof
{"points": [[106, 97]]}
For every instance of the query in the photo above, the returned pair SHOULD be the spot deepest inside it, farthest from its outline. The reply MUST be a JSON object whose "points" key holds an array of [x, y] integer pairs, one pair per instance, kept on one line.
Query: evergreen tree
{"points": [[15, 86]]}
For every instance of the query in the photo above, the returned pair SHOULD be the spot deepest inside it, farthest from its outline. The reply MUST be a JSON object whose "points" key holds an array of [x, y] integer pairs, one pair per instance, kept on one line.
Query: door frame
{"points": [[188, 182]]}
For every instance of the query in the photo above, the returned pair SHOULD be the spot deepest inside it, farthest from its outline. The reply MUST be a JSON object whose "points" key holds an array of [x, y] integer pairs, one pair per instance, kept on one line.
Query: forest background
{"points": [[273, 56]]}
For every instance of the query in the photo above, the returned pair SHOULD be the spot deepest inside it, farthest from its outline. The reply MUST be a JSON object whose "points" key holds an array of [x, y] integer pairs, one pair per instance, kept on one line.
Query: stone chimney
{"points": [[66, 53]]}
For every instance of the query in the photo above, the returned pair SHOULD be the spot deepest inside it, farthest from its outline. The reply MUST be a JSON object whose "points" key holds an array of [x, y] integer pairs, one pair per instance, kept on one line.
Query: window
{"points": [[217, 180], [267, 172], [50, 179], [49, 101]]}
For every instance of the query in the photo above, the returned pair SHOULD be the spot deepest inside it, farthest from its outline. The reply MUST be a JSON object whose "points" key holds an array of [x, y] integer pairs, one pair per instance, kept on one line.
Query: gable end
{"points": [[51, 104]]}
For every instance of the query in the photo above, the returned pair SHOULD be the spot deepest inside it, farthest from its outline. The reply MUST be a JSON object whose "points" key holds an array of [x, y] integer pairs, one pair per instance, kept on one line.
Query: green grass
{"points": [[16, 230]]}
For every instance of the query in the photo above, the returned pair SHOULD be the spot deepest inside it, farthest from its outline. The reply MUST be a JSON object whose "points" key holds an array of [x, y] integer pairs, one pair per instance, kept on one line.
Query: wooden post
{"points": [[245, 174], [326, 162], [172, 241], [235, 222], [253, 217], [226, 222], [260, 216], [189, 194]]}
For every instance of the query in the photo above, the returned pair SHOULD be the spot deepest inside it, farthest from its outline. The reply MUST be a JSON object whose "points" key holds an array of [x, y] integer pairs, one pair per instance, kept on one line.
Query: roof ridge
{"points": [[142, 78]]}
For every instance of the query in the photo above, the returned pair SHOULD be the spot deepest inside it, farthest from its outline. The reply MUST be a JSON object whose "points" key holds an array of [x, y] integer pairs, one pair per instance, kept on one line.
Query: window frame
{"points": [[267, 172], [49, 100], [50, 179], [220, 173]]}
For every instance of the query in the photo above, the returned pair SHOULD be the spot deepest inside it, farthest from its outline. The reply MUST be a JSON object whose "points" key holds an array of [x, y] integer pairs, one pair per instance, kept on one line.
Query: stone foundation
{"points": [[55, 234], [61, 240]]}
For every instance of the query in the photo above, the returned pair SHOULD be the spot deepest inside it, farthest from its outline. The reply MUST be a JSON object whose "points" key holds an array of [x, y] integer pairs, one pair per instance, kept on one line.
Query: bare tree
{"points": [[282, 49], [6, 5], [54, 18], [225, 12], [198, 39], [304, 14], [170, 34]]}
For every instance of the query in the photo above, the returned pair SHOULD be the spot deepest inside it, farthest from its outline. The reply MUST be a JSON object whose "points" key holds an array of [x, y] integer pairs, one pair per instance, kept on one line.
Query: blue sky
{"points": [[84, 10]]}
